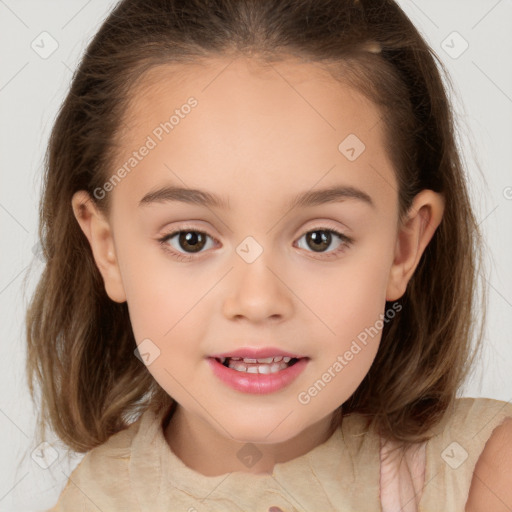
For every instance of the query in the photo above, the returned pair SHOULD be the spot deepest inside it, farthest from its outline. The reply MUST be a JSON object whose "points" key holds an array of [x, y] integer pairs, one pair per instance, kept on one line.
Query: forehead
{"points": [[288, 124]]}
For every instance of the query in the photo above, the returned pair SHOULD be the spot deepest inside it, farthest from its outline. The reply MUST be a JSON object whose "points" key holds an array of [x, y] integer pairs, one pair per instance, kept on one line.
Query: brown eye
{"points": [[319, 240], [185, 242], [193, 240]]}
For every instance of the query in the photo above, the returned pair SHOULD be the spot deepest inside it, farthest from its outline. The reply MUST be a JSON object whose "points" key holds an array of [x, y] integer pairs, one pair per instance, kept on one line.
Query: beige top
{"points": [[135, 470]]}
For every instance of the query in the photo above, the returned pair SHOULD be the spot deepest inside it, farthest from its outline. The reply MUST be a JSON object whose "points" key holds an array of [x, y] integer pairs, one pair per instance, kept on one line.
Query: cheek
{"points": [[159, 292], [351, 304], [353, 297], [166, 307]]}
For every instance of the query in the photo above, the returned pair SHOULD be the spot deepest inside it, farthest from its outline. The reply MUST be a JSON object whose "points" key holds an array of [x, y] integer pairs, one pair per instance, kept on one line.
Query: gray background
{"points": [[32, 86]]}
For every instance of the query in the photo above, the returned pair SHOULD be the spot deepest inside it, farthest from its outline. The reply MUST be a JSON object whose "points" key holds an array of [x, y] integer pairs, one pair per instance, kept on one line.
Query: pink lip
{"points": [[257, 353], [254, 382]]}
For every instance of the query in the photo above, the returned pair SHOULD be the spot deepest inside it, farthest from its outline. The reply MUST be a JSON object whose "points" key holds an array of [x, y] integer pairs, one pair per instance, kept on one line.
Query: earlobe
{"points": [[414, 235], [99, 234]]}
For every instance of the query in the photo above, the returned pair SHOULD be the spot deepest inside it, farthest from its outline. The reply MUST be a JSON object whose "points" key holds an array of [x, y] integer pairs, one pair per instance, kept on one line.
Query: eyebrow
{"points": [[306, 199]]}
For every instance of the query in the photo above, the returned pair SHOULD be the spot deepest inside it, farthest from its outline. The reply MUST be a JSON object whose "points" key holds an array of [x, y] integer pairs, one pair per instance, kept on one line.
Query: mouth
{"points": [[263, 366], [257, 375]]}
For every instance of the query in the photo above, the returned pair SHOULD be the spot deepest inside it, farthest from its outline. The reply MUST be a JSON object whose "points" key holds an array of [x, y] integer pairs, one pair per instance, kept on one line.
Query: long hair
{"points": [[80, 343]]}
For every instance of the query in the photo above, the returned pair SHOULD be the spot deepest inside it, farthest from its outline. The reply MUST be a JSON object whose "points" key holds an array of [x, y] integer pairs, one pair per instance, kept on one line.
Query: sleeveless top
{"points": [[354, 470]]}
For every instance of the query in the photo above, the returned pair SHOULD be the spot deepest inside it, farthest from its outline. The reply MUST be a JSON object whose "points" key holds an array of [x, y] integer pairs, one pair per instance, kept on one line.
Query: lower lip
{"points": [[255, 382]]}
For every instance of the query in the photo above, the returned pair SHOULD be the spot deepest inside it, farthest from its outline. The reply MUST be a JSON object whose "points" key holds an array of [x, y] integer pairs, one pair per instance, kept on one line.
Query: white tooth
{"points": [[241, 367], [247, 360], [277, 359], [287, 359], [266, 360], [261, 368]]}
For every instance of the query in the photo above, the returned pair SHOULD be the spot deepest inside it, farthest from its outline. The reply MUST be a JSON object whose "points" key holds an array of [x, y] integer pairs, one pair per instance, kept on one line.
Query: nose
{"points": [[257, 292]]}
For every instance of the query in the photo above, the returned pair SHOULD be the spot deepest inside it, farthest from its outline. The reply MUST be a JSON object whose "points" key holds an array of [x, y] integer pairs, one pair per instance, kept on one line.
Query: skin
{"points": [[258, 137], [490, 487]]}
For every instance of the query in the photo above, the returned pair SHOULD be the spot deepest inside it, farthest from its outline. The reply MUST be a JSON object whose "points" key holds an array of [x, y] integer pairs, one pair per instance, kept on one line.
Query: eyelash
{"points": [[346, 242]]}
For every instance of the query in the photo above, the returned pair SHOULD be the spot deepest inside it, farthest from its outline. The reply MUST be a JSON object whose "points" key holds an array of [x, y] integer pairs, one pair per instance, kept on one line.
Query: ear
{"points": [[99, 233], [422, 220]]}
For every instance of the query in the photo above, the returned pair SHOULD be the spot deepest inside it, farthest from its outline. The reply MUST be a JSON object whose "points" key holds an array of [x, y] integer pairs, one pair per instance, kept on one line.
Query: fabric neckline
{"points": [[153, 459]]}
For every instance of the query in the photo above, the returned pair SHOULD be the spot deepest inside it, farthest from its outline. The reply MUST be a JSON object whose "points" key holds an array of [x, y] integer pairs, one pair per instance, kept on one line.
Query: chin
{"points": [[263, 431]]}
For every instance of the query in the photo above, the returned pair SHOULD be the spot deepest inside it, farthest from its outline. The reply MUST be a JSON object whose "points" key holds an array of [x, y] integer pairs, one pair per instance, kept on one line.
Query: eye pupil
{"points": [[321, 242], [190, 239]]}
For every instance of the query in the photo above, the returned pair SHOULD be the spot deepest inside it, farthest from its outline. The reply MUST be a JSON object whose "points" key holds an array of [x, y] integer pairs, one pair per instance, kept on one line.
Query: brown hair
{"points": [[80, 343]]}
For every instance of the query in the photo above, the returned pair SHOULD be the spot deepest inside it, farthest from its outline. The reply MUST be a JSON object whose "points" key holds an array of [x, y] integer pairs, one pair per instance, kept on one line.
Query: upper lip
{"points": [[257, 353]]}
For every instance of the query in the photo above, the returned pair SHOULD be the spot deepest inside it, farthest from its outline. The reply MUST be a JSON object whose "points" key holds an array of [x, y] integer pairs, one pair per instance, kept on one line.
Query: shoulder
{"points": [[472, 421], [101, 481], [481, 412], [456, 445], [491, 486]]}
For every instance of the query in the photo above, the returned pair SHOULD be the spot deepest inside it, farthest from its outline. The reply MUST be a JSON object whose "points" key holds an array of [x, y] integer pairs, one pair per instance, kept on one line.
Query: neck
{"points": [[212, 453]]}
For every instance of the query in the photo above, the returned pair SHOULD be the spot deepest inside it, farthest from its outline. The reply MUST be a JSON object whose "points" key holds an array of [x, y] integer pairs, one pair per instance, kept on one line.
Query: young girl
{"points": [[260, 268]]}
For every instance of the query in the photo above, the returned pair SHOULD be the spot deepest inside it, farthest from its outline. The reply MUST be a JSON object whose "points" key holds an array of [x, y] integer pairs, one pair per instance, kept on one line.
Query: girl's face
{"points": [[281, 160]]}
